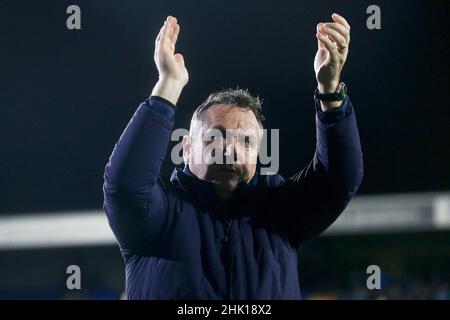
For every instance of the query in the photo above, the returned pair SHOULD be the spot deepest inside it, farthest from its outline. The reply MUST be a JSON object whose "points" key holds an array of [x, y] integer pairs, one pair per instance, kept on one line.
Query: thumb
{"points": [[179, 58]]}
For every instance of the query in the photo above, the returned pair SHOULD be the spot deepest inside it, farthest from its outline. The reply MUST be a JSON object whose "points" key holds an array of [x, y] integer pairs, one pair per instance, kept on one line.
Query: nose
{"points": [[230, 154]]}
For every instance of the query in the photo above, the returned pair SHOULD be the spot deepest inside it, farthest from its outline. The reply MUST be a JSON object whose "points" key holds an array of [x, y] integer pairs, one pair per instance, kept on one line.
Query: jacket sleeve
{"points": [[311, 200], [135, 199]]}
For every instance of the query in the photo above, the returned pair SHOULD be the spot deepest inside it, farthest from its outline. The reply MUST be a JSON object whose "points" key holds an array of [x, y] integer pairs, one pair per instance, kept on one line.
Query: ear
{"points": [[187, 145]]}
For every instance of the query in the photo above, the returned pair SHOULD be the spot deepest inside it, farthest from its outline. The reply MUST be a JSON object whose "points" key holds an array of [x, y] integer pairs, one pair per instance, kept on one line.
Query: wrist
{"points": [[168, 88], [331, 88], [328, 88]]}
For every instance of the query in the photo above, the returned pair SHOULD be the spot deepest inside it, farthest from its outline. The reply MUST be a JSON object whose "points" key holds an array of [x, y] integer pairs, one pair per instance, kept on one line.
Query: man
{"points": [[224, 231]]}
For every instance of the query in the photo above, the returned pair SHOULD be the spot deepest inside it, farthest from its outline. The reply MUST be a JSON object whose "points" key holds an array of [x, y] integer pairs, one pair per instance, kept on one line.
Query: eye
{"points": [[211, 138], [249, 142]]}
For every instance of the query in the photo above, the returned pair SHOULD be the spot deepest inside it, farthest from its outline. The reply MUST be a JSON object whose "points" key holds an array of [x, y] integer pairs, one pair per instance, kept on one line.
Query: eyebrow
{"points": [[250, 132], [218, 127]]}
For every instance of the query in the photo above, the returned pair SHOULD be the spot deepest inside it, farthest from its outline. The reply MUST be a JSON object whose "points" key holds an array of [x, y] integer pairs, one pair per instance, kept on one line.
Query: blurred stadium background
{"points": [[67, 95], [407, 236]]}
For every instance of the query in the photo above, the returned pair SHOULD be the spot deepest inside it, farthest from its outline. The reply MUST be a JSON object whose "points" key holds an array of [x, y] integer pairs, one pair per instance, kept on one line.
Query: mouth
{"points": [[229, 170]]}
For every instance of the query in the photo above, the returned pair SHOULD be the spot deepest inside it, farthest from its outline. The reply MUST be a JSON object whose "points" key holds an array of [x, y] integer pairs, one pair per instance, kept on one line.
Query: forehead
{"points": [[228, 117]]}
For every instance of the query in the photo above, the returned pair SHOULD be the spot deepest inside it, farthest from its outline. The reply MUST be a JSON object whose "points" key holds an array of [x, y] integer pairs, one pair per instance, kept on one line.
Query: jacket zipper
{"points": [[227, 230], [229, 223]]}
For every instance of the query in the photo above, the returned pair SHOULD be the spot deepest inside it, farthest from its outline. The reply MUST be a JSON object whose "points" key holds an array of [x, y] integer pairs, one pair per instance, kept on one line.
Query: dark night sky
{"points": [[67, 95]]}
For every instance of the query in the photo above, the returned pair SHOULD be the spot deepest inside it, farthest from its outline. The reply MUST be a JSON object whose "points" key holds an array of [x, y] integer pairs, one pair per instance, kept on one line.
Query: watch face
{"points": [[342, 92]]}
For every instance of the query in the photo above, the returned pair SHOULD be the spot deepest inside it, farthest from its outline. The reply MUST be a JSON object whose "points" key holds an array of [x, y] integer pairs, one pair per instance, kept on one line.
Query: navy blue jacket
{"points": [[179, 242]]}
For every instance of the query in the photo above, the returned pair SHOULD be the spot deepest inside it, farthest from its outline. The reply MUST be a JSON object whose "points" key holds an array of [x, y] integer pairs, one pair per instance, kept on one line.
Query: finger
{"points": [[319, 43], [174, 35], [174, 19], [158, 38], [165, 43], [341, 20], [162, 38], [335, 36], [172, 32], [157, 41], [329, 45], [343, 31], [166, 30], [161, 32]]}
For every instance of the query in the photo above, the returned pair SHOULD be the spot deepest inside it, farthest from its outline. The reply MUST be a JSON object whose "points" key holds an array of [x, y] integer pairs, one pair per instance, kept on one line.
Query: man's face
{"points": [[223, 147]]}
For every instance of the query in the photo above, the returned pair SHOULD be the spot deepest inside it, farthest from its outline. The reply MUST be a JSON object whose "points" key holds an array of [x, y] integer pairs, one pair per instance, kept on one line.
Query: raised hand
{"points": [[173, 75], [333, 39]]}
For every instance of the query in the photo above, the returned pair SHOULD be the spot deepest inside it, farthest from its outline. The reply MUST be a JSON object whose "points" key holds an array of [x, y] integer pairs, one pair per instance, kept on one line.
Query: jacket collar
{"points": [[204, 192]]}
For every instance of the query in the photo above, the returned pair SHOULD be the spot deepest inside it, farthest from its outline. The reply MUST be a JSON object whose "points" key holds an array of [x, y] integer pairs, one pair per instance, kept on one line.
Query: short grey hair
{"points": [[240, 98]]}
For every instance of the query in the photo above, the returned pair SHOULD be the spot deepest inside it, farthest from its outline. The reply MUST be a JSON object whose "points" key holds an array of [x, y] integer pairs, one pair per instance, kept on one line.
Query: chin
{"points": [[229, 185]]}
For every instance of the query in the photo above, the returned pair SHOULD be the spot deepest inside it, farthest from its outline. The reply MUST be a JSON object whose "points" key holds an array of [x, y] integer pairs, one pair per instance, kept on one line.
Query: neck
{"points": [[223, 194]]}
